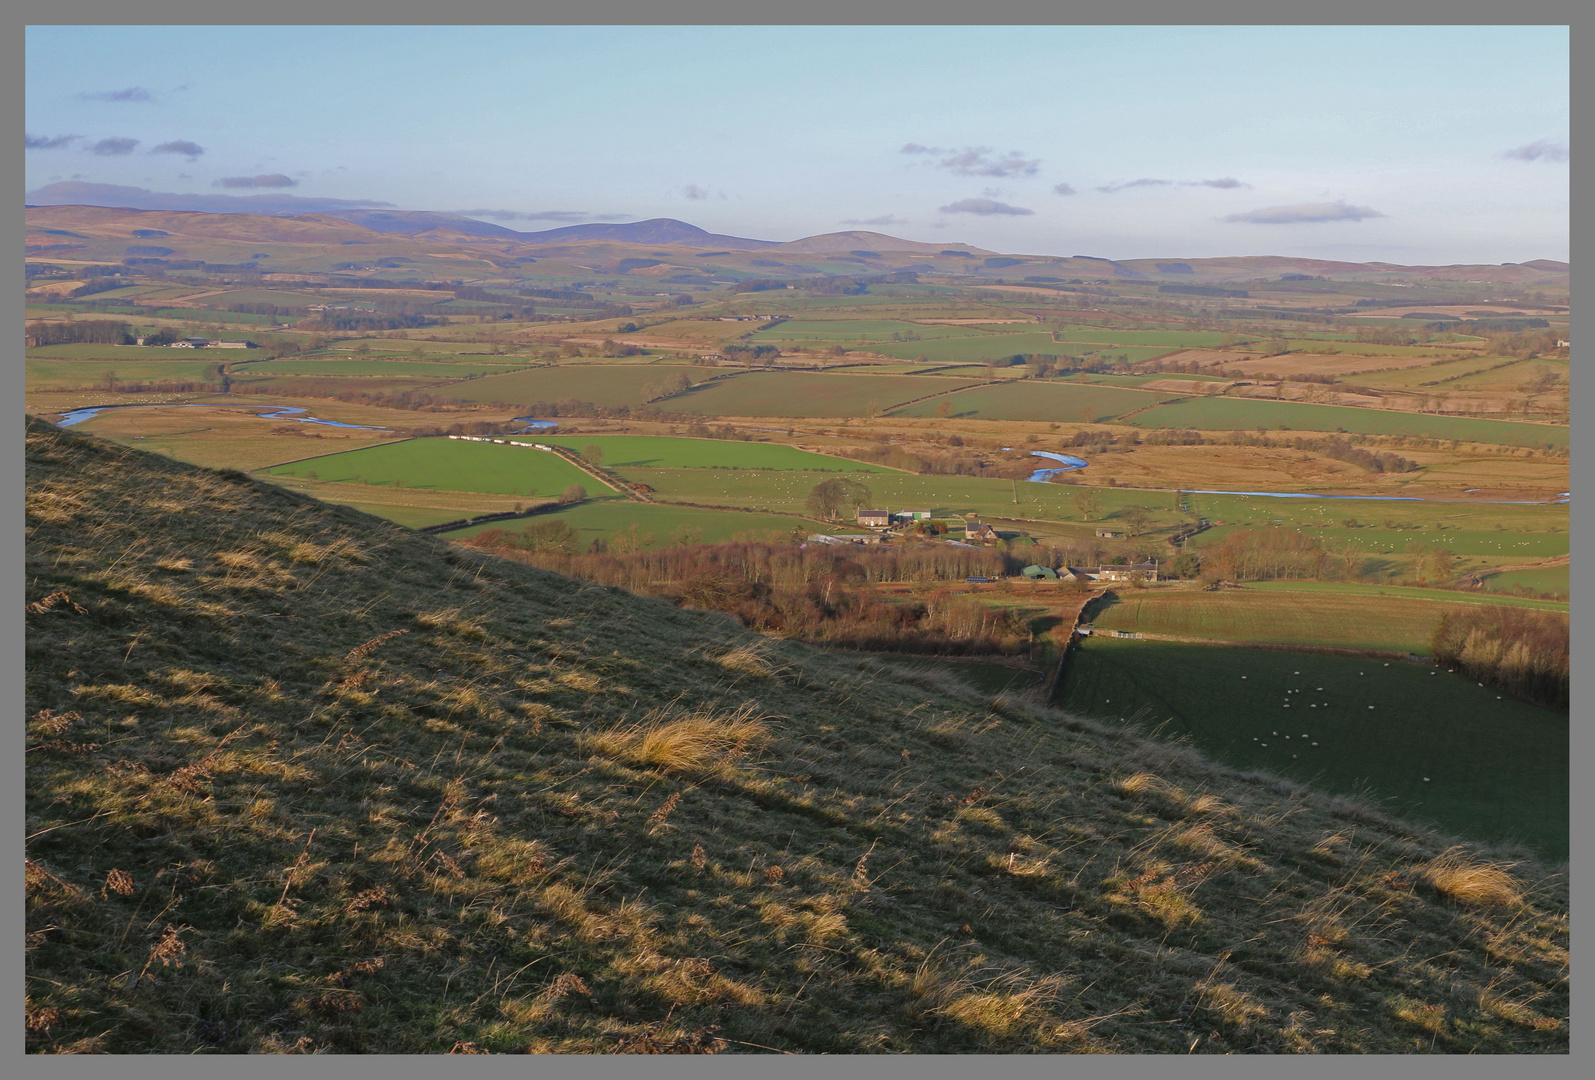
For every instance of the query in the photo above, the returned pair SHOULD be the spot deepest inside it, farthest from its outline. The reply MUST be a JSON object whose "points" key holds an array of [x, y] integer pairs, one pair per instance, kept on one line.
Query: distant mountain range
{"points": [[75, 220]]}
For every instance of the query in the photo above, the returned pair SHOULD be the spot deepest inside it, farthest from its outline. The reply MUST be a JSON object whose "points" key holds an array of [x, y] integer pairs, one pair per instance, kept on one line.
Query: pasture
{"points": [[1401, 592], [389, 366], [87, 374], [837, 331], [1546, 579], [803, 394], [1497, 770], [1344, 620], [946, 496], [658, 526], [447, 465], [624, 452], [977, 347], [1176, 339], [1062, 402], [608, 385], [86, 350], [1430, 522], [1243, 414]]}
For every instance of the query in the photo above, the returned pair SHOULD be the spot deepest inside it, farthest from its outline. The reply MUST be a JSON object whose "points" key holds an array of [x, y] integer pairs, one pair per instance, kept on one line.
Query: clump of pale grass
{"points": [[1457, 874], [698, 740], [1228, 1001], [751, 659], [1136, 783], [1001, 1006]]}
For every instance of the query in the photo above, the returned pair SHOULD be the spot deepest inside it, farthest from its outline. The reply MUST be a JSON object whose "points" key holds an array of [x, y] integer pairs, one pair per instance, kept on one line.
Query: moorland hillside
{"points": [[299, 779]]}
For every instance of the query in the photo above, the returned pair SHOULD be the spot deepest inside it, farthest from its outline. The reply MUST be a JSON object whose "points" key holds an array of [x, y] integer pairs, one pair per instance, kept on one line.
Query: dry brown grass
{"points": [[1136, 783], [751, 659], [699, 740], [1461, 876]]}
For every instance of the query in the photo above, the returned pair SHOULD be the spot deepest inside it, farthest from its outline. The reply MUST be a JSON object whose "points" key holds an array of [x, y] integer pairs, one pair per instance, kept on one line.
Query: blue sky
{"points": [[1402, 144]]}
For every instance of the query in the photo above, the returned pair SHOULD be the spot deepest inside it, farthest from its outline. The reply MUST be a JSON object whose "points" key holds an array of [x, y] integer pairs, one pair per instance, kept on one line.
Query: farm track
{"points": [[603, 476]]}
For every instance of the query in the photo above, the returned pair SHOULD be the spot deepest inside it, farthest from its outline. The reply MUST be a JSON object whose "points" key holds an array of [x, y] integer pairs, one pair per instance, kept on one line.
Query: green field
{"points": [[1401, 592], [1429, 521], [1379, 541], [977, 347], [1346, 620], [624, 452], [1550, 579], [1056, 401], [946, 496], [607, 384], [83, 350], [411, 369], [1242, 414], [840, 330], [606, 517], [85, 374], [447, 465], [805, 394], [1497, 769], [1178, 339]]}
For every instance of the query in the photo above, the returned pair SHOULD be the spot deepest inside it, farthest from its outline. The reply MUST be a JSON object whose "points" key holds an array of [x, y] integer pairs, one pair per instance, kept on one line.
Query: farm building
{"points": [[912, 515], [206, 343], [1040, 573], [1146, 571], [1109, 534], [875, 519], [1079, 573]]}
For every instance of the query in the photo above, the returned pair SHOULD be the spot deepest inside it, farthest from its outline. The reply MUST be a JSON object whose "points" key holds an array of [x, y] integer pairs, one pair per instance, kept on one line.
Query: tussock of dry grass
{"points": [[749, 660], [696, 741], [1463, 877]]}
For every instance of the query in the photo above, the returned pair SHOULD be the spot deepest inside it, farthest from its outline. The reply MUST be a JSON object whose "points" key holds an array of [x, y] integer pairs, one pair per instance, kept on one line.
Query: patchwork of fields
{"points": [[1435, 746]]}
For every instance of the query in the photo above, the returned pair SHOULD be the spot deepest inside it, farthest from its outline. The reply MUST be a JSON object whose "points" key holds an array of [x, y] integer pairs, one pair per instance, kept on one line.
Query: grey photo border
{"points": [[880, 13]]}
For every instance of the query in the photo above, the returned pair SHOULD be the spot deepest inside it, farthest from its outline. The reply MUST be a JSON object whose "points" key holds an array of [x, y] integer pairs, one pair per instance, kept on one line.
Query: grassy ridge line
{"points": [[603, 823]]}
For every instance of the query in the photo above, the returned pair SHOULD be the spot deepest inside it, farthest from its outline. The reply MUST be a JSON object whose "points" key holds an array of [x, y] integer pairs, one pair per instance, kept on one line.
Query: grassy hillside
{"points": [[301, 780]]}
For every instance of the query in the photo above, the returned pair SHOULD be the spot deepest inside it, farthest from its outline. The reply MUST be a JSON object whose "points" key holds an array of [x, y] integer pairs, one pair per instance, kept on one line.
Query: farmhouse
{"points": [[1145, 571], [205, 343], [979, 530], [874, 519]]}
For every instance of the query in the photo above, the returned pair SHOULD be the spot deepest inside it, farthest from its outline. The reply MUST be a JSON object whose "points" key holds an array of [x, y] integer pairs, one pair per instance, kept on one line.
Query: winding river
{"points": [[273, 412]]}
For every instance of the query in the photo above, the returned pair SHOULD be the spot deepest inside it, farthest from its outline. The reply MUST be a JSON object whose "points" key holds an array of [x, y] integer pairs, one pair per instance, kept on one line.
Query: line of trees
{"points": [[816, 594], [1520, 650]]}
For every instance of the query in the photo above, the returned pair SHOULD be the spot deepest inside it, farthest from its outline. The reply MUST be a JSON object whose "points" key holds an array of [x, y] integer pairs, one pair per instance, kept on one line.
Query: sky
{"points": [[1413, 145]]}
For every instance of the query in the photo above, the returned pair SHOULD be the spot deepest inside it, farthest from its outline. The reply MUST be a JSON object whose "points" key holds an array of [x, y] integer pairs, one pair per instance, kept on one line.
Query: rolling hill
{"points": [[300, 780], [94, 232]]}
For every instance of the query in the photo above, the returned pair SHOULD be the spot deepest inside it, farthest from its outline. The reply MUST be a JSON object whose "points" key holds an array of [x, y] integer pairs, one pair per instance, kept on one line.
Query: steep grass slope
{"points": [[300, 780]]}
